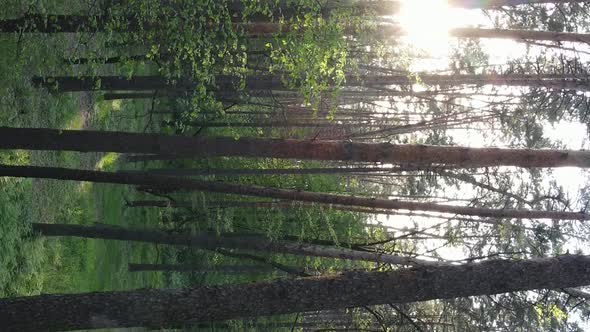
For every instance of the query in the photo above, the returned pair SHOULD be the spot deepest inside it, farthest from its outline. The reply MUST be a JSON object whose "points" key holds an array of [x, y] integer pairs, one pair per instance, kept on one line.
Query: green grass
{"points": [[30, 265]]}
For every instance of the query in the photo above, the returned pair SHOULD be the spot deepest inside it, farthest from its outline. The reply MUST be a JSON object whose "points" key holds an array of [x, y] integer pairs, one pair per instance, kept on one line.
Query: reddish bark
{"points": [[100, 141]]}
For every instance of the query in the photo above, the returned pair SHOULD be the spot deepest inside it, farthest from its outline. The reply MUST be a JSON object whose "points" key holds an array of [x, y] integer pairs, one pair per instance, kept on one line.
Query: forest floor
{"points": [[64, 265]]}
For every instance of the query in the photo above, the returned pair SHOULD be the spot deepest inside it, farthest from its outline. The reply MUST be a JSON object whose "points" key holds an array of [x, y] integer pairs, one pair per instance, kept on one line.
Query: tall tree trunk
{"points": [[491, 4], [224, 83], [273, 82], [211, 242], [284, 9], [281, 124], [131, 95], [53, 23], [100, 141], [519, 35], [272, 171], [169, 308], [388, 30], [167, 183], [218, 204], [237, 269], [287, 205]]}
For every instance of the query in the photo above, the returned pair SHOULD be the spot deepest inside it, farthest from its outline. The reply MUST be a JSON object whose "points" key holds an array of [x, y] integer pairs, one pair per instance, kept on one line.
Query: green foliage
{"points": [[312, 57], [19, 260]]}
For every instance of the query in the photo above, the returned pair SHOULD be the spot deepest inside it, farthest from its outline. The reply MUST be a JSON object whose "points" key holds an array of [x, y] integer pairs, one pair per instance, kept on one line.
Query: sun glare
{"points": [[427, 24]]}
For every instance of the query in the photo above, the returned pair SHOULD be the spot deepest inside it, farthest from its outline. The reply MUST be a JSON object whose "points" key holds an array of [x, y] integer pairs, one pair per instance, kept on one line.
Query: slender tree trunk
{"points": [[469, 179], [167, 183], [237, 269], [169, 308], [100, 141], [211, 242], [491, 4], [53, 23], [578, 293], [280, 124], [388, 30], [219, 204], [131, 95], [105, 60], [224, 83], [257, 204], [295, 271], [78, 23], [284, 205], [518, 35], [274, 82], [273, 171]]}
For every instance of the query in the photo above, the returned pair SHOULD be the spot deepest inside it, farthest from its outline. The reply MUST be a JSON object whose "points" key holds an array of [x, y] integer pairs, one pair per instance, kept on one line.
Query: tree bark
{"points": [[491, 4], [101, 141], [212, 242], [169, 308], [282, 205], [167, 183], [518, 35], [388, 30], [218, 204], [237, 269], [53, 23], [273, 82], [271, 171], [281, 124], [131, 95]]}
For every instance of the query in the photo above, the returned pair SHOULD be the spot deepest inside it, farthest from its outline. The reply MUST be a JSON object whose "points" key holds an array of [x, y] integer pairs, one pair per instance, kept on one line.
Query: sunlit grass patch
{"points": [[116, 105], [107, 161]]}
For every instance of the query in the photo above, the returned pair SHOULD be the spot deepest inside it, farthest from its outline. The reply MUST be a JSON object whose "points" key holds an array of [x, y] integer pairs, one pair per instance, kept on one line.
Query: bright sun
{"points": [[427, 24]]}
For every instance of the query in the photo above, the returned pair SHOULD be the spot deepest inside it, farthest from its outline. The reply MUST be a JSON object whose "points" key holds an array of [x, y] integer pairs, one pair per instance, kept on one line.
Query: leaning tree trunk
{"points": [[167, 183], [168, 308], [212, 242], [101, 141]]}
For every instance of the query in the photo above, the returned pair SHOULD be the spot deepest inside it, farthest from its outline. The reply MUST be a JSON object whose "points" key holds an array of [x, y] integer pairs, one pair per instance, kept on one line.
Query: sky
{"points": [[428, 30], [426, 24]]}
